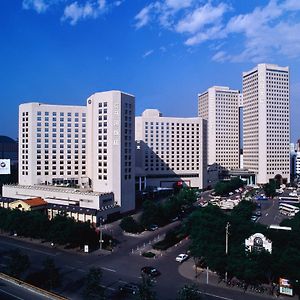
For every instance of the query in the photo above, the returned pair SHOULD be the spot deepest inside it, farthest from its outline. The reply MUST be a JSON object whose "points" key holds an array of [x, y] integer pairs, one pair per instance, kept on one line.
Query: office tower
{"points": [[267, 122], [52, 144], [219, 106], [111, 148], [169, 150]]}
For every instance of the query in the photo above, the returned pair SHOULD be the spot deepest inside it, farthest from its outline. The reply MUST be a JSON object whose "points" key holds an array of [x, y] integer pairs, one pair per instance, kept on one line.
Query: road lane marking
{"points": [[107, 269], [122, 281], [74, 268], [27, 248], [7, 293], [108, 288], [216, 296]]}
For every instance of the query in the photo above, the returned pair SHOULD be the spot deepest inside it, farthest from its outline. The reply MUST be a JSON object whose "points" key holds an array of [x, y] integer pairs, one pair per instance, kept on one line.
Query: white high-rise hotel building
{"points": [[91, 147], [267, 122], [220, 107], [170, 150]]}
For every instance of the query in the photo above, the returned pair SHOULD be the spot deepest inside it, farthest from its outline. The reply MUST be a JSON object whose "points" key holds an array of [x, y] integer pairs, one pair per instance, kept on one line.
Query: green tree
{"points": [[152, 214], [18, 263], [51, 273], [129, 224], [171, 208], [207, 233], [146, 289], [270, 188], [92, 287], [189, 292], [225, 187], [187, 196]]}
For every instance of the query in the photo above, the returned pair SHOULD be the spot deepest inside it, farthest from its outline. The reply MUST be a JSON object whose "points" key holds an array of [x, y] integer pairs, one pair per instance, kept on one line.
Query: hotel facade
{"points": [[170, 150], [78, 155]]}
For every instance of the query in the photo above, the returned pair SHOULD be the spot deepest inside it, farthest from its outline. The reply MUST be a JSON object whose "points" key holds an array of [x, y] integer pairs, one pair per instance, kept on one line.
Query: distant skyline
{"points": [[164, 52]]}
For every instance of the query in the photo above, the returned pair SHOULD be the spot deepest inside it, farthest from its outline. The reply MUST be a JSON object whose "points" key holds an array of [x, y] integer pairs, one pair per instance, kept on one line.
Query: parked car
{"points": [[151, 271], [153, 227], [175, 219], [182, 257], [130, 288], [257, 213], [254, 218]]}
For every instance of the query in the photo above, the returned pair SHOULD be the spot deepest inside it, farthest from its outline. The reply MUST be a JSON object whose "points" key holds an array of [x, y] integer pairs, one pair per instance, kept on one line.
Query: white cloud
{"points": [[74, 10], [118, 3], [39, 6], [144, 17], [178, 4], [163, 49], [266, 31], [221, 56], [90, 9], [148, 53], [291, 5], [162, 11], [211, 33], [203, 15], [101, 4]]}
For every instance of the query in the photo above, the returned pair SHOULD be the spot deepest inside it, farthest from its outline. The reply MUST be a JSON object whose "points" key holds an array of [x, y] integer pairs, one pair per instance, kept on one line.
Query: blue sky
{"points": [[164, 52]]}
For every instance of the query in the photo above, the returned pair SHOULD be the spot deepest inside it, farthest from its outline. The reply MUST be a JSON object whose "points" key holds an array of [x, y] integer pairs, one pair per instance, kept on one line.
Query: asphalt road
{"points": [[118, 268], [124, 263], [10, 291]]}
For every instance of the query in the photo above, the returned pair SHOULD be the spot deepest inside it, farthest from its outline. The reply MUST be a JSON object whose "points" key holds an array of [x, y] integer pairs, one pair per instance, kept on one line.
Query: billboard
{"points": [[4, 166], [285, 287]]}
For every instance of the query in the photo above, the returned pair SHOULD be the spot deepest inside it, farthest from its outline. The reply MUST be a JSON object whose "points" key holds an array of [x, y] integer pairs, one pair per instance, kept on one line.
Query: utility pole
{"points": [[226, 243]]}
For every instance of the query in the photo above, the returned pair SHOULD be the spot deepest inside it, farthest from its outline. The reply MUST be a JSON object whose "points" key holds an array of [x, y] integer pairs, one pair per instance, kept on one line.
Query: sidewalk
{"points": [[188, 271]]}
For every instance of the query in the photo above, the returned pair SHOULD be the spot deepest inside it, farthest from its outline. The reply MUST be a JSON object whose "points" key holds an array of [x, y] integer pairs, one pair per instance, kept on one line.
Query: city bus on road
{"points": [[291, 200], [288, 209]]}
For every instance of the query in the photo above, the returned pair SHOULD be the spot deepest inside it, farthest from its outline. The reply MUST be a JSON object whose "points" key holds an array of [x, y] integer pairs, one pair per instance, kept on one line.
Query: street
{"points": [[121, 266]]}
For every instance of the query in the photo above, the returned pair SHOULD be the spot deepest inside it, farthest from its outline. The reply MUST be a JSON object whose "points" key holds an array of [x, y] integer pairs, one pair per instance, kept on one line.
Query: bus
{"points": [[288, 209], [291, 200]]}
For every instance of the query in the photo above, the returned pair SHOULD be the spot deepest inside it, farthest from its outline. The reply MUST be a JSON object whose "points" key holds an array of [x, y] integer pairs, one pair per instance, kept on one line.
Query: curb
{"points": [[31, 288]]}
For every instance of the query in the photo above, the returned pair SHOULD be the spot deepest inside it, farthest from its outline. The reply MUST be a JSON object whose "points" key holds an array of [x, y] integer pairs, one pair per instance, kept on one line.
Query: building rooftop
{"points": [[35, 202], [59, 189]]}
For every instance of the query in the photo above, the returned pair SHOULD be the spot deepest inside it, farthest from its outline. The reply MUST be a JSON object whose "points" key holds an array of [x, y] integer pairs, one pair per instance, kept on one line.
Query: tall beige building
{"points": [[90, 148], [169, 149], [219, 106], [267, 121], [111, 145]]}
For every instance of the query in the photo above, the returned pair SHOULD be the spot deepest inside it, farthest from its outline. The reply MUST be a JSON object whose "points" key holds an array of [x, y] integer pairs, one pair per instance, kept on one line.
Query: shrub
{"points": [[172, 238], [148, 254], [129, 224]]}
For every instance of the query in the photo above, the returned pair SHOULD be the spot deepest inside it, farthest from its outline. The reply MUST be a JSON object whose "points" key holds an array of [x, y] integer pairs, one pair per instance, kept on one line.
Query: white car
{"points": [[182, 257]]}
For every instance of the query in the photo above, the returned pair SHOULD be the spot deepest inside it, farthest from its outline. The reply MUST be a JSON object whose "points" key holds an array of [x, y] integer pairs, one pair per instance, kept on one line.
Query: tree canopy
{"points": [[206, 227]]}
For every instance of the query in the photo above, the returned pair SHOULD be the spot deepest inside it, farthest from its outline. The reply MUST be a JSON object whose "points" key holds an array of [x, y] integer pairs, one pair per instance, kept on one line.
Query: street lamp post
{"points": [[101, 235], [226, 243]]}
